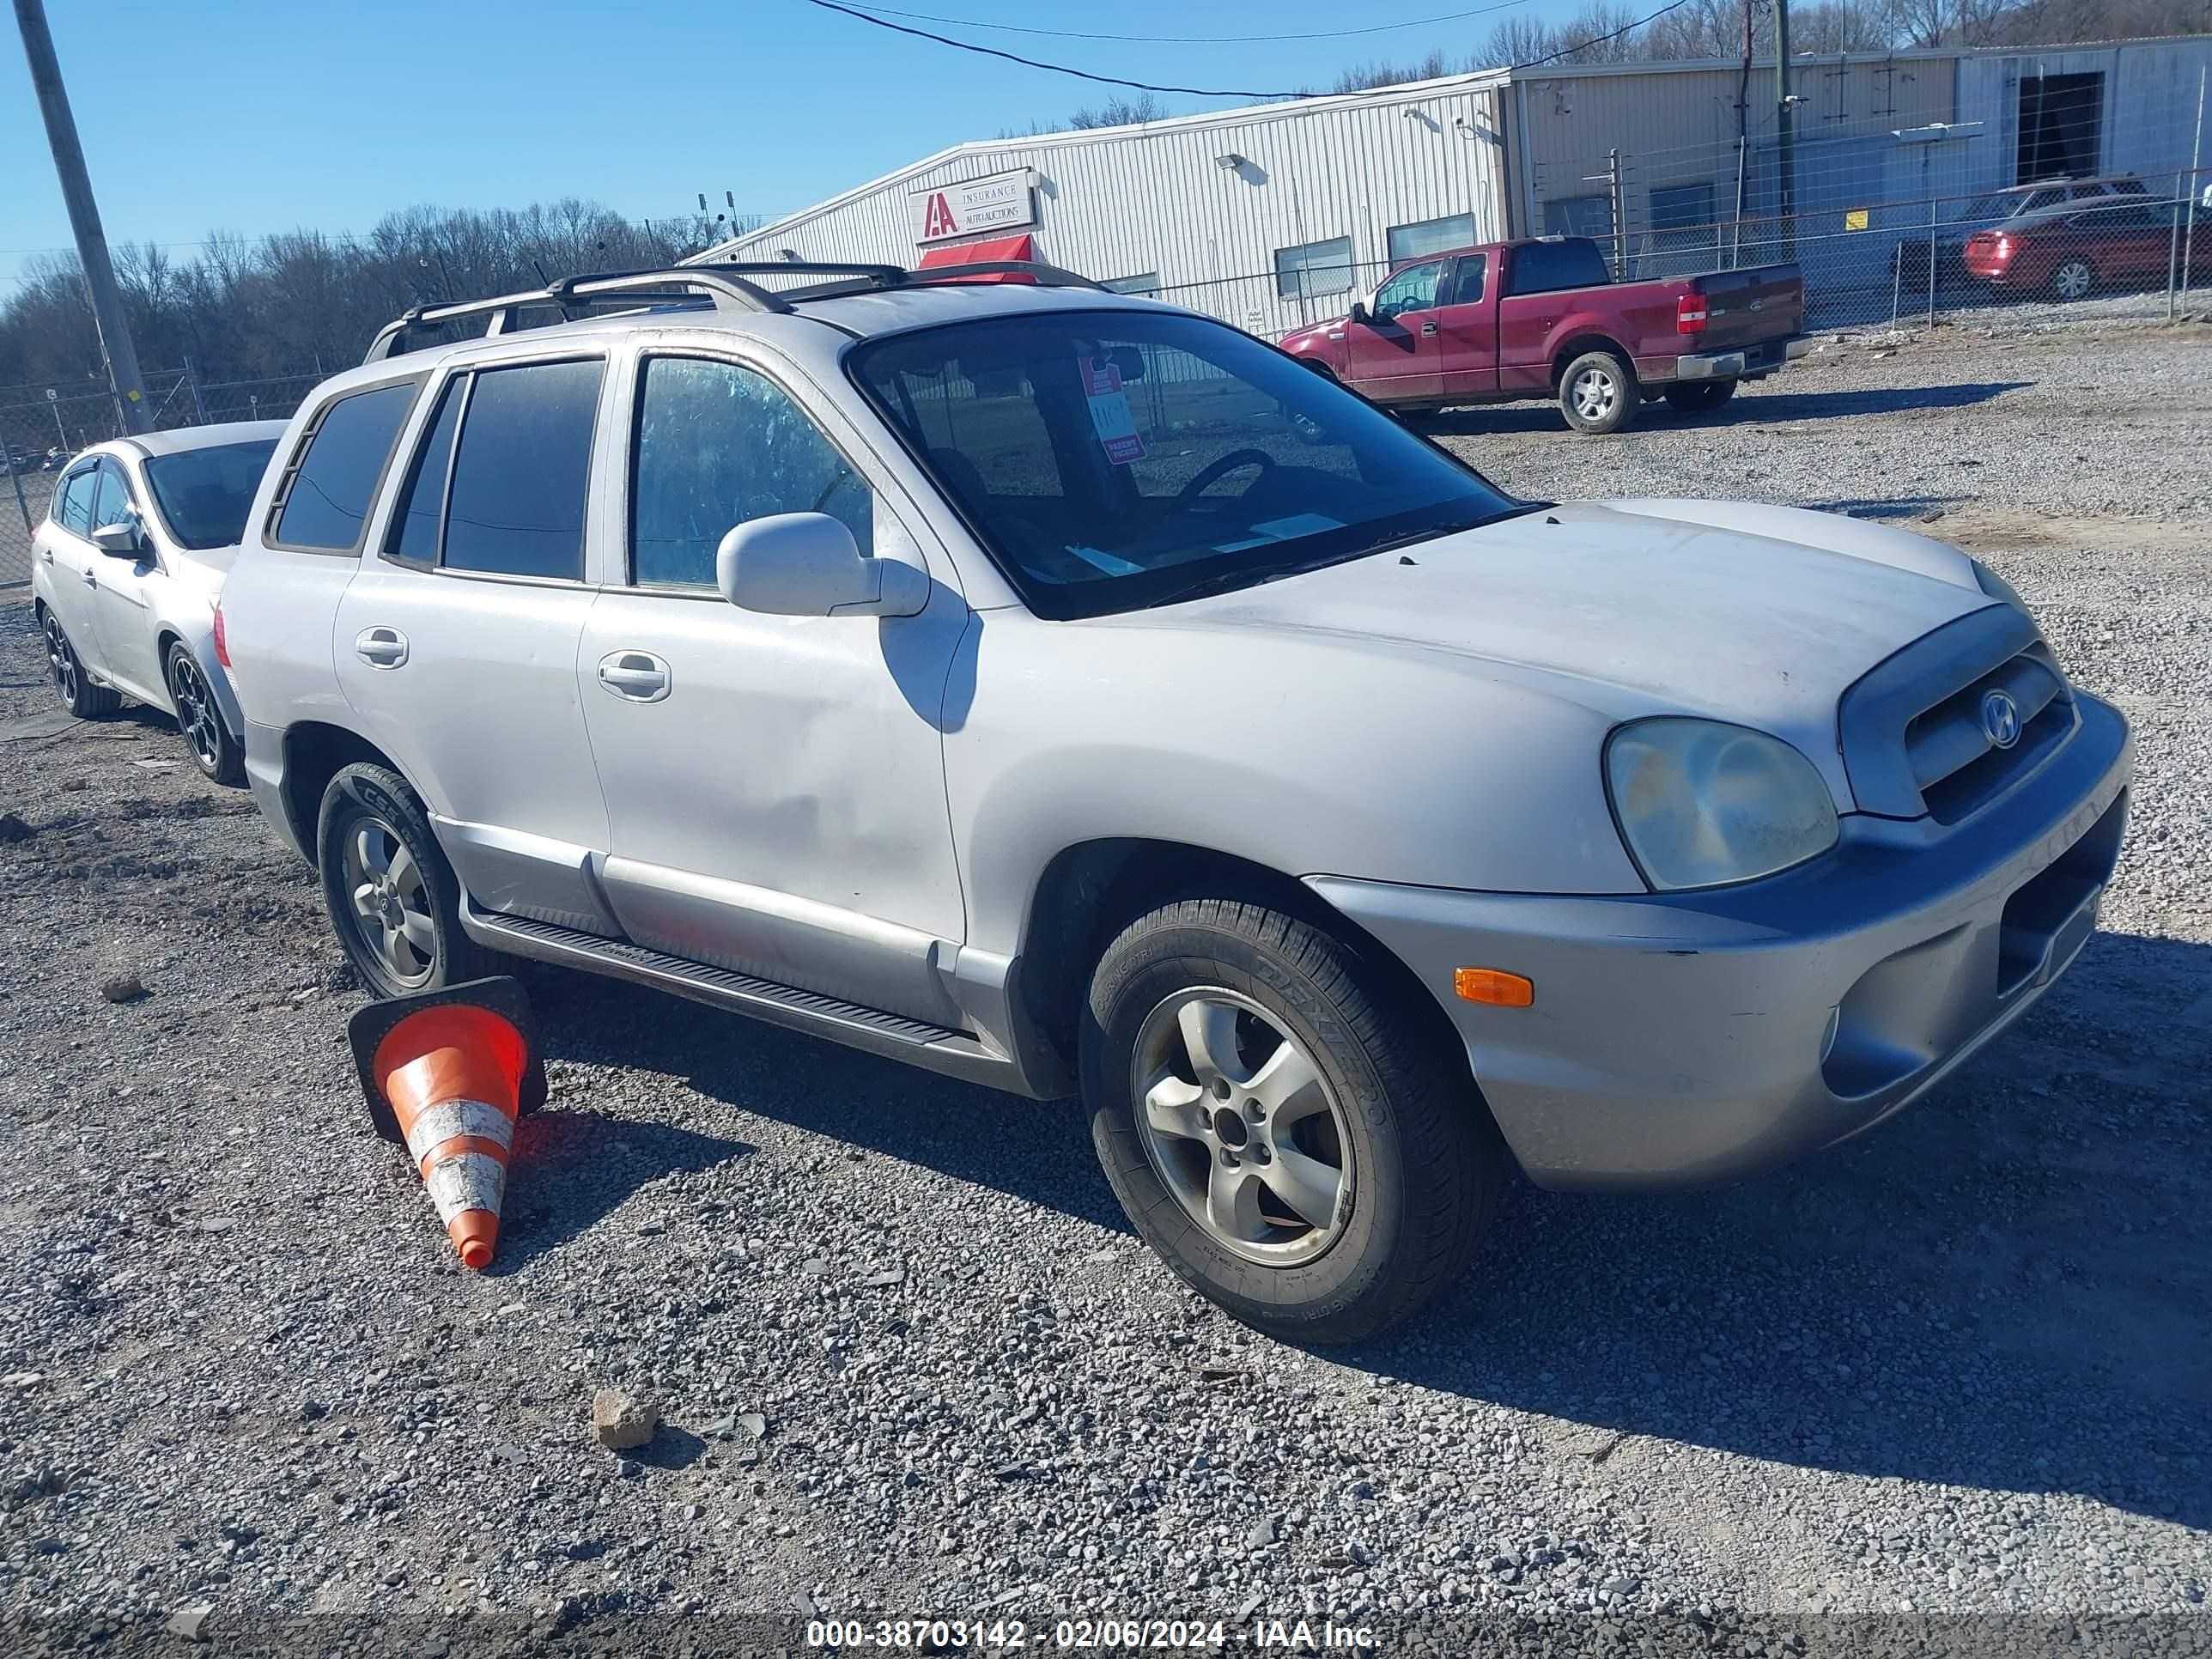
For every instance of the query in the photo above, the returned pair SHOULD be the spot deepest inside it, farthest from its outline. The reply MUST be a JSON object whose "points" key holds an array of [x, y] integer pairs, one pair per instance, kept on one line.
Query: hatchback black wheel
{"points": [[1293, 1145], [392, 895], [78, 693], [200, 718]]}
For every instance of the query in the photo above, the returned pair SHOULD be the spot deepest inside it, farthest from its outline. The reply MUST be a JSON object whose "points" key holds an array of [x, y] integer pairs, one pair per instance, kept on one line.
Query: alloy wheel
{"points": [[61, 657], [196, 709], [2074, 279], [391, 913], [1594, 392], [1241, 1126]]}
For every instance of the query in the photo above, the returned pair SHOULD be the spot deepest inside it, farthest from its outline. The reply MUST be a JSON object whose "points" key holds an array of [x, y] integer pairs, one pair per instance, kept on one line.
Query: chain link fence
{"points": [[42, 426]]}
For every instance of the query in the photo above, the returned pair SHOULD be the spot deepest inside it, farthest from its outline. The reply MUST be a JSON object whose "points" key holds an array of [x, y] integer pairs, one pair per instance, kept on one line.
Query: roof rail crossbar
{"points": [[1042, 275], [727, 290], [878, 275]]}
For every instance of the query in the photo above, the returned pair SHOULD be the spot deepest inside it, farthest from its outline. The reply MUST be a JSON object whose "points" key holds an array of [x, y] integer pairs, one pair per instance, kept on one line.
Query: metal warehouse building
{"points": [[1268, 216]]}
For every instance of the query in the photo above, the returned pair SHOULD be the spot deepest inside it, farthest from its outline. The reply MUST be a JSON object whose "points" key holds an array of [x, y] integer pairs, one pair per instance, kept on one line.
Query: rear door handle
{"points": [[380, 647], [634, 676]]}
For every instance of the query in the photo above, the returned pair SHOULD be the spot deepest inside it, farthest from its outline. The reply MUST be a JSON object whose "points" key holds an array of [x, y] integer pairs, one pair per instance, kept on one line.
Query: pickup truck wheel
{"points": [[1700, 397], [78, 693], [1598, 394], [1284, 1137], [393, 898]]}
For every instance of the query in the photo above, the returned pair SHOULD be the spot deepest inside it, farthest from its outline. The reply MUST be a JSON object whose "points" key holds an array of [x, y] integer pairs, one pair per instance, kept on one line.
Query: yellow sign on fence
{"points": [[1854, 218]]}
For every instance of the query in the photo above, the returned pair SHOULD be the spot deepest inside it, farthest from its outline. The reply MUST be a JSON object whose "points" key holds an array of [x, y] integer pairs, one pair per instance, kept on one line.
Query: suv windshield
{"points": [[1111, 459], [203, 494]]}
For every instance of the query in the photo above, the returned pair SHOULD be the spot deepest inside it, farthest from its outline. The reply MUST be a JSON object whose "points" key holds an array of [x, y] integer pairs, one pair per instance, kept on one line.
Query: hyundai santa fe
{"points": [[1071, 692]]}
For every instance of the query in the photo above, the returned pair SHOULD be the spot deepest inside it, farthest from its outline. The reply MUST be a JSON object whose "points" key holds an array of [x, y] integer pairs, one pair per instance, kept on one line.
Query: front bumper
{"points": [[1683, 1037]]}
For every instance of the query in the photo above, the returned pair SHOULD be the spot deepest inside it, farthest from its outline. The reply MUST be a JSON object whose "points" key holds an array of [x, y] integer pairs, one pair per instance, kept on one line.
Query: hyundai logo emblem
{"points": [[2001, 719]]}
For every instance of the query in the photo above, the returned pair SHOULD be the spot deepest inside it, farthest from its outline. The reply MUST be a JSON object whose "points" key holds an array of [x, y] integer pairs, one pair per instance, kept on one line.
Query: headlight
{"points": [[1702, 804], [1995, 586]]}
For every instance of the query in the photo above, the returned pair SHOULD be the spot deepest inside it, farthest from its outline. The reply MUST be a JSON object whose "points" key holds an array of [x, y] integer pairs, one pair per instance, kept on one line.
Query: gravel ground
{"points": [[1947, 1386]]}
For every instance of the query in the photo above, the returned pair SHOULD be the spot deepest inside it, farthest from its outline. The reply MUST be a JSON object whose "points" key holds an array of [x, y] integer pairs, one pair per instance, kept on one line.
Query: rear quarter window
{"points": [[1547, 267], [322, 505]]}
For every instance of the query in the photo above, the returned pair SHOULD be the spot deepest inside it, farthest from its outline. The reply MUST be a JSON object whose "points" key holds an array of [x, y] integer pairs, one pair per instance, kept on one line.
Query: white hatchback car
{"points": [[132, 555]]}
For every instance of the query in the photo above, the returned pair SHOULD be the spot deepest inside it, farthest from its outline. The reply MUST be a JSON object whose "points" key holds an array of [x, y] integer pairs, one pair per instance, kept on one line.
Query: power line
{"points": [[1599, 40], [1194, 39]]}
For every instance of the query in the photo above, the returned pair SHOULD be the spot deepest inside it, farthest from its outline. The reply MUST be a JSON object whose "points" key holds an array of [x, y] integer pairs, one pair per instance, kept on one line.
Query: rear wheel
{"points": [[78, 693], [2073, 279], [1700, 397], [200, 719], [1598, 394], [1286, 1139], [392, 895]]}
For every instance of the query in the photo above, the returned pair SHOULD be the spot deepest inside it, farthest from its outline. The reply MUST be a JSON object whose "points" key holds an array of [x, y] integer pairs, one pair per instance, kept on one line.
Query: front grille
{"points": [[1913, 735]]}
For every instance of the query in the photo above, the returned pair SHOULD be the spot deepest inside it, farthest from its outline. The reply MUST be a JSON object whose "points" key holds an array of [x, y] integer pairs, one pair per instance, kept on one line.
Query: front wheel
{"points": [[1598, 394], [392, 895], [1285, 1138], [2073, 280], [1700, 397], [200, 719]]}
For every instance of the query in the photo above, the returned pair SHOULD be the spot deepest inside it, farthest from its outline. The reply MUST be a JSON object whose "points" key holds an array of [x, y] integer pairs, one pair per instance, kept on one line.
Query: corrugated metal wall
{"points": [[1155, 199]]}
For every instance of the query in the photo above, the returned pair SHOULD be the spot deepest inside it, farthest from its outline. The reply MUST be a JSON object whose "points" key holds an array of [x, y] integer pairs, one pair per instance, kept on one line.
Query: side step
{"points": [[917, 1043]]}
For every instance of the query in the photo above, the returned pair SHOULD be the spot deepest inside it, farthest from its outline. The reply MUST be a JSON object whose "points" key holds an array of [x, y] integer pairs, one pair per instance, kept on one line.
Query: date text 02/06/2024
{"points": [[1166, 1635]]}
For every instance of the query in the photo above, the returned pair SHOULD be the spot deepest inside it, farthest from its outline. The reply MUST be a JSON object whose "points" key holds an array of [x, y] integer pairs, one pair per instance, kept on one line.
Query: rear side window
{"points": [[718, 445], [413, 535], [521, 469], [1547, 267], [323, 503], [73, 507]]}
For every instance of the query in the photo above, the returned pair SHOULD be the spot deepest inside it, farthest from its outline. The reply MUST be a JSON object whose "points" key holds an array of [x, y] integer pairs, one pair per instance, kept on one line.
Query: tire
{"points": [[371, 801], [1700, 397], [199, 719], [2074, 279], [1386, 1142], [1598, 394], [78, 693]]}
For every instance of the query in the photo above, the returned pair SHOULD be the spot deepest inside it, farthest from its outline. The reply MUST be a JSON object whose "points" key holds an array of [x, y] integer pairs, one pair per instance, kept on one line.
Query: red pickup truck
{"points": [[1542, 319]]}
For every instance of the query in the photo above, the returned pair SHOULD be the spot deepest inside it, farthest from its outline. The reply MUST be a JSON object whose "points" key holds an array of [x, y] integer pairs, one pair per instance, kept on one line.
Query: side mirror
{"points": [[118, 541], [807, 564], [1358, 312]]}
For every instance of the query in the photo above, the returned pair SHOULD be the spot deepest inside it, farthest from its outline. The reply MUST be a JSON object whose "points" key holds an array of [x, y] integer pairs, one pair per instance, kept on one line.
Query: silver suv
{"points": [[1060, 689]]}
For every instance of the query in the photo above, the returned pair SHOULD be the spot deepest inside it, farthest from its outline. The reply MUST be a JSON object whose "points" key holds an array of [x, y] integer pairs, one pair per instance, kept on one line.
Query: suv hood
{"points": [[1762, 616]]}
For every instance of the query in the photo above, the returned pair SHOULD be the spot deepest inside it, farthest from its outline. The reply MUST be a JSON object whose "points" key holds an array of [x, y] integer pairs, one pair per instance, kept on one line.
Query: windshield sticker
{"points": [[1099, 559], [1298, 524], [1110, 411]]}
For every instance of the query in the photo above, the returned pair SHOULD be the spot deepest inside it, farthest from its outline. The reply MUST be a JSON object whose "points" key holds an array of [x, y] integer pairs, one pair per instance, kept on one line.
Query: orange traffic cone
{"points": [[446, 1073]]}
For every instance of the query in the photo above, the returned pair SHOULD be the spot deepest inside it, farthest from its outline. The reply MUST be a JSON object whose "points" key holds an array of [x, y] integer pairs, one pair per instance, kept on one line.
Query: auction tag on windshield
{"points": [[1110, 411]]}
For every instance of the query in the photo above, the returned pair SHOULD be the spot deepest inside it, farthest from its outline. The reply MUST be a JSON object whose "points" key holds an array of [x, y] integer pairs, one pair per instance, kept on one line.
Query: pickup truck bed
{"points": [[1537, 319]]}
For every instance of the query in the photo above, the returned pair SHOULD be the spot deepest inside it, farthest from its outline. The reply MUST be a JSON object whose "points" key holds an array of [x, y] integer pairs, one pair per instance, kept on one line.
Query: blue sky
{"points": [[264, 115]]}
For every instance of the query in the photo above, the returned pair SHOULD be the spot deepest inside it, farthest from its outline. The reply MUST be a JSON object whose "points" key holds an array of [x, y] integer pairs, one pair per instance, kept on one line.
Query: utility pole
{"points": [[84, 216], [1784, 115]]}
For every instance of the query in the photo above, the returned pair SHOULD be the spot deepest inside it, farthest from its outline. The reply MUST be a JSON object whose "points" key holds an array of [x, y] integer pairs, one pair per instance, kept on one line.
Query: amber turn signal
{"points": [[1493, 986]]}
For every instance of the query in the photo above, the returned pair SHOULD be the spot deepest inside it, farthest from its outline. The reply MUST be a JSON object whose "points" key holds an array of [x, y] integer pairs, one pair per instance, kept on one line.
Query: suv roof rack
{"points": [[723, 284]]}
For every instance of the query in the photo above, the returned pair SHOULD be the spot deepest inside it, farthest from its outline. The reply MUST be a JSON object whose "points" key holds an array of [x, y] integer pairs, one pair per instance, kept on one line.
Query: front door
{"points": [[1393, 352], [456, 644], [66, 546], [122, 610], [774, 785]]}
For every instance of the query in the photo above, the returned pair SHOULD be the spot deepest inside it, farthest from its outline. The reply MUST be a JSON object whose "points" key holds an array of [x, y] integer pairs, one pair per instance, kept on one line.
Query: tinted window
{"points": [[73, 507], [520, 472], [413, 534], [1314, 268], [112, 505], [204, 495], [1412, 289], [1467, 286], [326, 499], [1112, 460], [718, 446], [1430, 236], [1546, 267], [1681, 207]]}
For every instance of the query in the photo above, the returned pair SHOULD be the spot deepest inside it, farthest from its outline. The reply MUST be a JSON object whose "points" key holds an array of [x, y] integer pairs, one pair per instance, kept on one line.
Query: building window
{"points": [[1314, 268], [1431, 236], [1145, 282], [1681, 207], [1579, 216]]}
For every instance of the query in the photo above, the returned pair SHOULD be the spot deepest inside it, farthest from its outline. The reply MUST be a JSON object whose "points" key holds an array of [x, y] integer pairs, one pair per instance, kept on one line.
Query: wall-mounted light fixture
{"points": [[789, 255], [1230, 162]]}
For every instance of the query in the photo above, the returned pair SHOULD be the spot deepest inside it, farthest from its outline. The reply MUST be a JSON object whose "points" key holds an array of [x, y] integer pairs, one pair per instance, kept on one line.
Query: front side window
{"points": [[73, 505], [521, 469], [323, 504], [1413, 288], [1117, 459], [1430, 236], [1314, 268], [112, 505], [204, 495]]}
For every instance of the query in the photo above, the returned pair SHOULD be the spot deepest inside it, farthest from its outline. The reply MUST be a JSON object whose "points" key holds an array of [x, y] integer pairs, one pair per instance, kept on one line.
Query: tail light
{"points": [[222, 639], [1690, 314], [2004, 247]]}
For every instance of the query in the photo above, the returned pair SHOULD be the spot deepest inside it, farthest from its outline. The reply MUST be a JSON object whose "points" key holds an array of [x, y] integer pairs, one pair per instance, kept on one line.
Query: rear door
{"points": [[1466, 328], [1395, 353], [456, 644], [1539, 287], [122, 610]]}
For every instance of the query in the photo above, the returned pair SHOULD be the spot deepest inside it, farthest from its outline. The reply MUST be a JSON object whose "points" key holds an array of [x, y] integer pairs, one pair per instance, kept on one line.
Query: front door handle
{"points": [[380, 647], [1428, 328], [634, 676], [90, 581]]}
